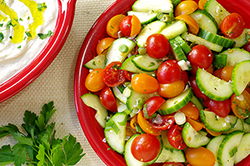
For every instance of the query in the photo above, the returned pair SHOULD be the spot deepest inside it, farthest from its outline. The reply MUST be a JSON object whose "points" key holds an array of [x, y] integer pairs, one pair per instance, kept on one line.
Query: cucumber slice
{"points": [[163, 6], [196, 102], [185, 47], [243, 149], [205, 20], [165, 142], [146, 63], [216, 39], [174, 29], [242, 39], [192, 138], [246, 127], [220, 61], [94, 102], [198, 40], [149, 29], [239, 126], [213, 87], [171, 156], [241, 77], [174, 104], [115, 131], [228, 148], [118, 92], [144, 17], [114, 53], [213, 146], [97, 62], [217, 11], [215, 123]]}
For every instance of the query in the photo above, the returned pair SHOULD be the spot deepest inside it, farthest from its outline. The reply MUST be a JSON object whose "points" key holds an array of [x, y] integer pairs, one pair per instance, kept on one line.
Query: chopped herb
{"points": [[1, 25], [151, 64], [43, 36], [28, 18], [20, 19], [10, 37], [93, 63], [28, 34], [41, 6], [19, 47], [1, 36]]}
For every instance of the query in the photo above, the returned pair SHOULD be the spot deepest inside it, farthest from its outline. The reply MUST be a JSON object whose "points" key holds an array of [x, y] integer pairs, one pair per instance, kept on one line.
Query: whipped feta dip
{"points": [[25, 28]]}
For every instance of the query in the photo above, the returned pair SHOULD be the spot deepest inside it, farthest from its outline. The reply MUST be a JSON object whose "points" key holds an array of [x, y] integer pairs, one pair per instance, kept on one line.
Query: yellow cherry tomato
{"points": [[201, 4], [226, 73], [136, 26], [213, 133], [195, 124], [143, 83], [191, 111], [193, 26], [94, 80], [113, 24], [172, 89], [104, 44], [185, 7], [240, 104]]}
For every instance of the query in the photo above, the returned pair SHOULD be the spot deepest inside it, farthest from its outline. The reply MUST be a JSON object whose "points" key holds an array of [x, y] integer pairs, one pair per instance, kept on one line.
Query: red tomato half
{"points": [[152, 104], [175, 137], [162, 122], [157, 46], [113, 75], [220, 108], [233, 25], [244, 162], [108, 99], [247, 47], [145, 147], [125, 25], [196, 89]]}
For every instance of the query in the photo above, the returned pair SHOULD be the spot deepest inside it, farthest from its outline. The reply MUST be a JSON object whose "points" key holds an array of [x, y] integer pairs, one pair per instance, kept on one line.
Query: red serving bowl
{"points": [[90, 126], [66, 10]]}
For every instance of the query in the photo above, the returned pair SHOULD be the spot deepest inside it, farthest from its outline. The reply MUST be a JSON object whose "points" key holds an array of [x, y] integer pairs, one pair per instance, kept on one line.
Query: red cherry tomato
{"points": [[220, 108], [113, 75], [247, 47], [162, 122], [152, 104], [108, 99], [196, 89], [244, 162], [172, 164], [175, 137], [184, 77], [232, 25], [125, 25], [157, 46], [200, 56], [128, 75], [145, 147], [168, 72]]}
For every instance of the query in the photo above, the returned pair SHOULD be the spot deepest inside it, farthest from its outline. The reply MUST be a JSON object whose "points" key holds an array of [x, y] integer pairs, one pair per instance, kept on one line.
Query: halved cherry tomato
{"points": [[146, 126], [162, 122], [168, 72], [201, 4], [128, 75], [107, 99], [184, 77], [145, 147], [226, 73], [113, 25], [241, 105], [247, 46], [113, 75], [232, 25], [136, 26], [130, 26], [152, 104], [196, 89], [193, 26], [244, 162], [94, 80], [220, 108], [172, 89], [175, 137], [172, 164], [133, 121], [213, 133], [191, 111], [130, 131], [200, 56], [185, 7], [104, 44], [195, 124], [157, 46], [144, 83], [200, 156]]}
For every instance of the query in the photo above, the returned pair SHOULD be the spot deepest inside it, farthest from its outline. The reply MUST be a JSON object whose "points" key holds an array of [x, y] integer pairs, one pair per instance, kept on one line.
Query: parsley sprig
{"points": [[38, 145]]}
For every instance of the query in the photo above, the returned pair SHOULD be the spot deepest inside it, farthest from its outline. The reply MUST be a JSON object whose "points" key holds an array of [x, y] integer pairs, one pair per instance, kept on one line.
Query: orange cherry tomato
{"points": [[94, 80], [226, 73], [201, 4], [172, 89], [191, 111], [195, 124], [213, 133], [241, 104], [200, 156], [185, 7], [193, 26], [136, 26], [113, 24], [143, 83], [146, 126], [133, 121], [104, 44]]}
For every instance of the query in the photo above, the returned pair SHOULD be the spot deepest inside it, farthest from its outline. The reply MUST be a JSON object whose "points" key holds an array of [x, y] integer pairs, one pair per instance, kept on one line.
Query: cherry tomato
{"points": [[157, 46], [162, 122], [240, 104], [185, 7], [213, 133], [107, 99], [201, 4], [200, 156], [217, 73], [220, 108], [184, 77], [226, 73], [168, 72], [200, 56], [232, 25], [193, 26], [194, 69], [136, 26], [104, 44], [172, 164], [244, 162], [133, 121], [143, 83], [196, 89], [113, 25], [190, 110], [94, 80], [247, 47], [113, 75], [195, 124], [152, 104], [130, 26], [145, 147], [175, 137], [172, 89], [128, 75]]}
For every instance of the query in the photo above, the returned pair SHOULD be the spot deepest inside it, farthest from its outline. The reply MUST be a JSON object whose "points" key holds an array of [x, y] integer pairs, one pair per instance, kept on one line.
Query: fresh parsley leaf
{"points": [[28, 34], [44, 36], [6, 130], [41, 6], [6, 156]]}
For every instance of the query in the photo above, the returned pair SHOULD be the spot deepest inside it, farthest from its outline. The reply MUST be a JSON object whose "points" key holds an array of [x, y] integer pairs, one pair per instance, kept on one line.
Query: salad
{"points": [[169, 87]]}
